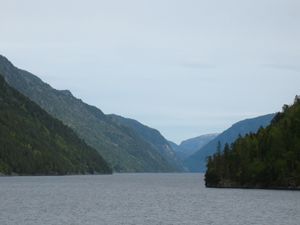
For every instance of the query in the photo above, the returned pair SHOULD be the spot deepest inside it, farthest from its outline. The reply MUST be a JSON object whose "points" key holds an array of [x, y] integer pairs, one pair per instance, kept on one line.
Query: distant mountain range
{"points": [[152, 137], [34, 143], [197, 161], [126, 144], [118, 141], [190, 146]]}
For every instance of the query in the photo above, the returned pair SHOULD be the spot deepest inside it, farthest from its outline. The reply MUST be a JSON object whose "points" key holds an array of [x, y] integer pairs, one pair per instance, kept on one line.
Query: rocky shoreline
{"points": [[234, 185]]}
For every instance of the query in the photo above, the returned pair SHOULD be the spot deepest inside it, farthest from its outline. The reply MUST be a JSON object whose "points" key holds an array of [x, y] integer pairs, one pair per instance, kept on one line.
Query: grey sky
{"points": [[184, 67]]}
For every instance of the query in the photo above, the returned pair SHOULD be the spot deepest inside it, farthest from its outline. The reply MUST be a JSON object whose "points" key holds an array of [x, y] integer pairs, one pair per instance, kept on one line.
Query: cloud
{"points": [[289, 67], [185, 68], [198, 64]]}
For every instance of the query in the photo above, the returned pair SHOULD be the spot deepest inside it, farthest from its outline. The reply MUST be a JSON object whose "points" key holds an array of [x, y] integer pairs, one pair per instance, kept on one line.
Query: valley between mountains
{"points": [[45, 131]]}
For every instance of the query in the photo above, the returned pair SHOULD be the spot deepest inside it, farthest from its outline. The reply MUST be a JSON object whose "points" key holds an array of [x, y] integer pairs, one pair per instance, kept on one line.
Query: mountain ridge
{"points": [[197, 161], [151, 136], [119, 145], [34, 143], [189, 146], [269, 158]]}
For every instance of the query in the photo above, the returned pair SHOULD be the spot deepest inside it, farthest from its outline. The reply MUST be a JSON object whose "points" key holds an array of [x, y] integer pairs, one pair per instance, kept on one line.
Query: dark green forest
{"points": [[119, 145], [197, 161], [34, 143], [269, 158]]}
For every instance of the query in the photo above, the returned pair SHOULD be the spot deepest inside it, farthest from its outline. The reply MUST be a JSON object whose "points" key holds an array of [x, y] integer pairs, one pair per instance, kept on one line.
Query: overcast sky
{"points": [[186, 68]]}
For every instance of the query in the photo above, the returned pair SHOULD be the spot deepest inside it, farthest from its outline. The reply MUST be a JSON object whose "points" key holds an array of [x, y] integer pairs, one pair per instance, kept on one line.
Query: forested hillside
{"points": [[153, 138], [197, 161], [34, 143], [119, 145], [268, 159]]}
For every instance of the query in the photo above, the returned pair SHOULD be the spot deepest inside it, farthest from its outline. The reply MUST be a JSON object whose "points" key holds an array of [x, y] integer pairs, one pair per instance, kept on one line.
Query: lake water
{"points": [[140, 199]]}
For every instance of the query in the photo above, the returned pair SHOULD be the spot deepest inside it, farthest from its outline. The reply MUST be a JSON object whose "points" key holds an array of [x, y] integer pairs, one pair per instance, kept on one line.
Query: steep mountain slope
{"points": [[33, 142], [197, 161], [268, 159], [192, 145], [174, 146], [119, 145], [152, 137]]}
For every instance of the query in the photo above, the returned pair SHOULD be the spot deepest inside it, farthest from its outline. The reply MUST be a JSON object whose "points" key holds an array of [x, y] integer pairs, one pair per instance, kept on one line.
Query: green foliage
{"points": [[268, 159], [197, 161], [32, 142], [119, 145], [153, 137]]}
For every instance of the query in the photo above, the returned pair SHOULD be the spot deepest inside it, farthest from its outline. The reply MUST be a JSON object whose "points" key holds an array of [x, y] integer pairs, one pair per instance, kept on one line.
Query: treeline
{"points": [[268, 159], [34, 143], [118, 144]]}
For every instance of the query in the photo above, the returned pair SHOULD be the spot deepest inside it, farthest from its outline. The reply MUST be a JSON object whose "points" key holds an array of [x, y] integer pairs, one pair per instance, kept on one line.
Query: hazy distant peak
{"points": [[190, 146], [196, 161], [204, 136]]}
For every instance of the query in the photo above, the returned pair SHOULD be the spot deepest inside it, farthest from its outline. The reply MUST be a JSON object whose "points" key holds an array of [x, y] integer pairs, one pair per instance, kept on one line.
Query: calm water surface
{"points": [[140, 199]]}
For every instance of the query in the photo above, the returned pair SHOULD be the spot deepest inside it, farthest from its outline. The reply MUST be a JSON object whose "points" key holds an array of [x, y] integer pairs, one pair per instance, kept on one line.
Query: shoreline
{"points": [[255, 187]]}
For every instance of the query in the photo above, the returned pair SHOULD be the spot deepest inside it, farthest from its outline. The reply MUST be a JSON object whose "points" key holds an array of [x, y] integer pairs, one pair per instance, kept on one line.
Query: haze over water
{"points": [[140, 199]]}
